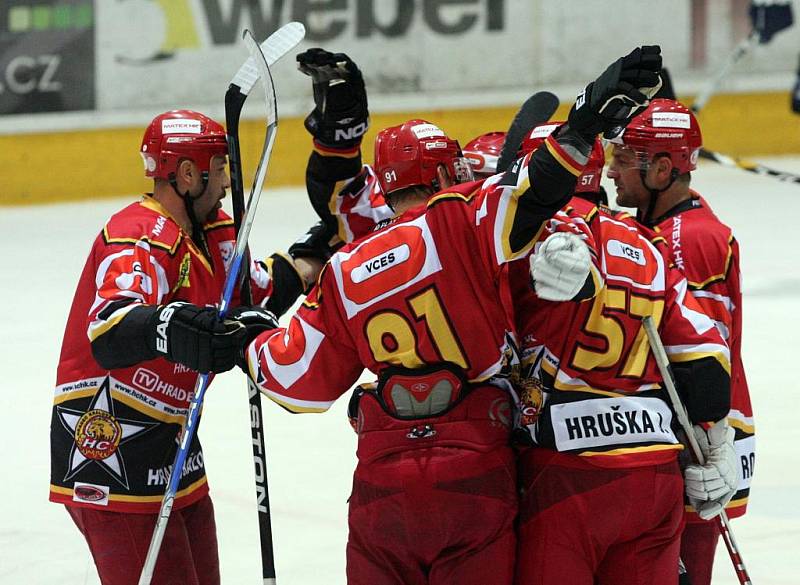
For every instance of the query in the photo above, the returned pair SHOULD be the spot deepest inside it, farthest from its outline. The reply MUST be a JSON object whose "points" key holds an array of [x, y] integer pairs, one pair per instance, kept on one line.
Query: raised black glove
{"points": [[341, 116], [770, 17], [255, 320], [195, 337], [620, 93], [315, 243]]}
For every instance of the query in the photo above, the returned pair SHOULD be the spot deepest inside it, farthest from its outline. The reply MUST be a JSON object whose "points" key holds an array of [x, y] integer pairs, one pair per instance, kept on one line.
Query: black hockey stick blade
{"points": [[536, 110]]}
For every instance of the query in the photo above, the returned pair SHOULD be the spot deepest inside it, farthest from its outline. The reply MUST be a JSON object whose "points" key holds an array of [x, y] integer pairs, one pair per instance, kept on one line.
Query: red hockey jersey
{"points": [[594, 388], [421, 290], [113, 433], [705, 251]]}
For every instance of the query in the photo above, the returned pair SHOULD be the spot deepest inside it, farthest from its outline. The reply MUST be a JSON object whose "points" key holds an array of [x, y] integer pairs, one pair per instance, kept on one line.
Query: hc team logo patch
{"points": [[97, 434]]}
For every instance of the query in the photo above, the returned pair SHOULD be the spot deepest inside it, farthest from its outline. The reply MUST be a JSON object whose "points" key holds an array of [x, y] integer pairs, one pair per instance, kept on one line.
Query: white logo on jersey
{"points": [[382, 263], [160, 223], [623, 250]]}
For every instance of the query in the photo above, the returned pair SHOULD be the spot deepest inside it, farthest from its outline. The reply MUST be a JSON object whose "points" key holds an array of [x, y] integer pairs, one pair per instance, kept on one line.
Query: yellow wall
{"points": [[63, 166]]}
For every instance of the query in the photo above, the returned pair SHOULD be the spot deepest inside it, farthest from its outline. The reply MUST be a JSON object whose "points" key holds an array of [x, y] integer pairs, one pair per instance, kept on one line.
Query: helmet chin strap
{"points": [[188, 202], [654, 193]]}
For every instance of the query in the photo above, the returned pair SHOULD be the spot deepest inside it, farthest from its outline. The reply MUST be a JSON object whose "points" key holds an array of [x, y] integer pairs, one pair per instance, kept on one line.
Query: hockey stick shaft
{"points": [[275, 47], [750, 167], [711, 88], [193, 416], [683, 419]]}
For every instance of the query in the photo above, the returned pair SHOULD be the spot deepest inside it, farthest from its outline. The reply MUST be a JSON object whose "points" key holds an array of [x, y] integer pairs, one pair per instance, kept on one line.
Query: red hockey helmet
{"points": [[177, 135], [589, 181], [482, 152], [665, 127], [409, 154]]}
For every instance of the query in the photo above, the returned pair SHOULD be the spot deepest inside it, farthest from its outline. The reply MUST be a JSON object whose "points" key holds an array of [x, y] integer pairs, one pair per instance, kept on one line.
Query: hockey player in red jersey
{"points": [[140, 328], [418, 303], [651, 168], [602, 495]]}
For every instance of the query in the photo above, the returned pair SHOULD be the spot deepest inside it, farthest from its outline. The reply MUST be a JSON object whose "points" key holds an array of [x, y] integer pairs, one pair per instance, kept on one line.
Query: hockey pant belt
{"points": [[431, 407]]}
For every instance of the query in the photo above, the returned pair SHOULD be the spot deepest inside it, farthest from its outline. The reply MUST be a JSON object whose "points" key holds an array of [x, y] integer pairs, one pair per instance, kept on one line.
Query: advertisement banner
{"points": [[47, 60], [164, 53]]}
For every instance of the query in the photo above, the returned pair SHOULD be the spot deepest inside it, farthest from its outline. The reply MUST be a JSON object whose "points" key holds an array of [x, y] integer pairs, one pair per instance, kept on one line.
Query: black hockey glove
{"points": [[769, 17], [255, 320], [315, 243], [340, 117], [623, 90], [195, 337]]}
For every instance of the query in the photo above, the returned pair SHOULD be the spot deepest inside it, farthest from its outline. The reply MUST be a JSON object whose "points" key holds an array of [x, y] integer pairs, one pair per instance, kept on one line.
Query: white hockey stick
{"points": [[192, 418], [683, 418], [277, 45]]}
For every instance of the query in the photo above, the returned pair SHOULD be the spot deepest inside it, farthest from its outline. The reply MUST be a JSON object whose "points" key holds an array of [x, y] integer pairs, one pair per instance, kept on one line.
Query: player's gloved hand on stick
{"points": [[255, 321], [560, 267], [341, 116], [711, 486], [620, 93], [195, 337]]}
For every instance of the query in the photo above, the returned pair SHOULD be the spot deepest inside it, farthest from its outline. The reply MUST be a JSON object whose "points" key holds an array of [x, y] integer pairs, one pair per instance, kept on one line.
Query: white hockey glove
{"points": [[711, 486], [559, 268]]}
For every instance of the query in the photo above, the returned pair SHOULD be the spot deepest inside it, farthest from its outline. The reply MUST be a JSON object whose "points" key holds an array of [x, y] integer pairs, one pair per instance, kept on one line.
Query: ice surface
{"points": [[311, 457]]}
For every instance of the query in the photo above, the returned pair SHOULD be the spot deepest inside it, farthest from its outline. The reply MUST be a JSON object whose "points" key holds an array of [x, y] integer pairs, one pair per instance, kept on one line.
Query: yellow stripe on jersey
{"points": [[292, 407], [737, 503], [508, 223], [333, 206], [742, 426], [558, 385], [96, 331], [562, 157], [445, 196], [629, 450], [717, 277], [348, 153], [155, 243], [218, 224], [690, 356], [134, 499]]}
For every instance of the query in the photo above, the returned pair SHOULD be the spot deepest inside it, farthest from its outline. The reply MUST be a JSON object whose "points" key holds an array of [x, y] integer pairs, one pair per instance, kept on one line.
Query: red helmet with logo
{"points": [[665, 127], [177, 135], [409, 155], [482, 152], [589, 181]]}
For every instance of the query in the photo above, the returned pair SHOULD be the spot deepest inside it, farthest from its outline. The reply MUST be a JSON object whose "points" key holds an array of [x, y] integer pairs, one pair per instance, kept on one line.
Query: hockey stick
{"points": [[712, 86], [231, 280], [536, 110], [683, 418], [275, 47], [750, 167]]}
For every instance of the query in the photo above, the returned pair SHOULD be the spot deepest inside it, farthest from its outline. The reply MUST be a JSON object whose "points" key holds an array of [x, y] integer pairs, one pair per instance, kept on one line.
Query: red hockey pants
{"points": [[119, 542], [433, 516], [698, 545], [586, 525]]}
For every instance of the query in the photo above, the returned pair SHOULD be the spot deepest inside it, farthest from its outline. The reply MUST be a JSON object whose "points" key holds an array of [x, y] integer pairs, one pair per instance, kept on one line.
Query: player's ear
{"points": [[443, 177]]}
